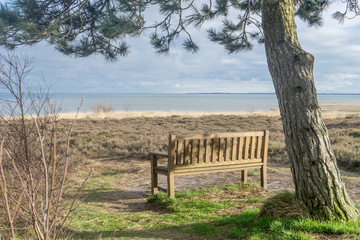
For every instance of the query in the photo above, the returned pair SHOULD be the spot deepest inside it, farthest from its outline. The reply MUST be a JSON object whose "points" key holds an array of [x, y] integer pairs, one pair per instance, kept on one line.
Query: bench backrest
{"points": [[218, 148]]}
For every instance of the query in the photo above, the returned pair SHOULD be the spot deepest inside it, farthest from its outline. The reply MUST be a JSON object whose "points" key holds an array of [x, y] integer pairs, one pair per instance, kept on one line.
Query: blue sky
{"points": [[336, 49]]}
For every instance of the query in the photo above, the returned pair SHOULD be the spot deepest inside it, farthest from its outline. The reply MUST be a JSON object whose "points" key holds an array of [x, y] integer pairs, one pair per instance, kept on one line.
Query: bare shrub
{"points": [[34, 163], [102, 108]]}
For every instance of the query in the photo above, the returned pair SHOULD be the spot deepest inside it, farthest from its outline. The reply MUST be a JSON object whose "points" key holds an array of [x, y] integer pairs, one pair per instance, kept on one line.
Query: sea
{"points": [[182, 102]]}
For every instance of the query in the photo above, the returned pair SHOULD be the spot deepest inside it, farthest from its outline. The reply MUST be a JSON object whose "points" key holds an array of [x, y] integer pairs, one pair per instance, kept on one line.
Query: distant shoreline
{"points": [[332, 110], [215, 93]]}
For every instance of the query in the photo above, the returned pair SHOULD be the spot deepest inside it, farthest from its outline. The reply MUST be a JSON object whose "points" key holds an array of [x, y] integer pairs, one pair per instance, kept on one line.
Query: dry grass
{"points": [[134, 135], [283, 204]]}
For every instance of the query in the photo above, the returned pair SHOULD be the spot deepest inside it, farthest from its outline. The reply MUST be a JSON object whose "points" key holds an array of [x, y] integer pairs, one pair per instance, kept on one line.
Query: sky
{"points": [[336, 49]]}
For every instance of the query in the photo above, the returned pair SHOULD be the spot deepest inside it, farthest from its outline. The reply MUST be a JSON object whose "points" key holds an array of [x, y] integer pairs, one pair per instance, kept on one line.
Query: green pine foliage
{"points": [[83, 28]]}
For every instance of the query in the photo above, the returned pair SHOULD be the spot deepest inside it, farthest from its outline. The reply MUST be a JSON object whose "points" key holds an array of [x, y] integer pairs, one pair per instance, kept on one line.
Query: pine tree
{"points": [[85, 27]]}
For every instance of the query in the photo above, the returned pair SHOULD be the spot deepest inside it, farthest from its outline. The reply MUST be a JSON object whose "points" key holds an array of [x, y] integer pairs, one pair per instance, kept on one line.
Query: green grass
{"points": [[254, 200], [194, 214], [238, 186], [247, 223]]}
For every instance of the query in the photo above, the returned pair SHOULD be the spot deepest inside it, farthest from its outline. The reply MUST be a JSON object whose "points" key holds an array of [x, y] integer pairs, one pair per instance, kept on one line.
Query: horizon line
{"points": [[219, 93]]}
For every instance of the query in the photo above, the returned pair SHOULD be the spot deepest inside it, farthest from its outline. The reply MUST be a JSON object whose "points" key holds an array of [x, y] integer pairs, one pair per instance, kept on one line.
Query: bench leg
{"points": [[244, 174], [154, 175], [263, 176], [171, 185]]}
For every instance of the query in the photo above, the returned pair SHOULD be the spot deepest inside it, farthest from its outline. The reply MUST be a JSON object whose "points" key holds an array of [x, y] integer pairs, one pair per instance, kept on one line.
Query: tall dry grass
{"points": [[135, 136]]}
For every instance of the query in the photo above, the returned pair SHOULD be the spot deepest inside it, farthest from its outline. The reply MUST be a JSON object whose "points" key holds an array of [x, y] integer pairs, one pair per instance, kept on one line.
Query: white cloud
{"points": [[336, 49]]}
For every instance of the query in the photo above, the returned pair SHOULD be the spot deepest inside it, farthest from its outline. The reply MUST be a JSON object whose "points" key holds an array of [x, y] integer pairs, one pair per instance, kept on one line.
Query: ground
{"points": [[130, 191], [114, 201]]}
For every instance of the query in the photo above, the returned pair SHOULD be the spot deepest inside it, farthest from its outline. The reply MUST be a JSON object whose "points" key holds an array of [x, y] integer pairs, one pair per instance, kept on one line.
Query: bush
{"points": [[347, 159], [34, 159], [283, 205], [99, 108]]}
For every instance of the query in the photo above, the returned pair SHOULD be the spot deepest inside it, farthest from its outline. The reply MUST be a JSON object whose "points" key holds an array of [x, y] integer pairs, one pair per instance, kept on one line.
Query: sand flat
{"points": [[351, 107], [331, 110]]}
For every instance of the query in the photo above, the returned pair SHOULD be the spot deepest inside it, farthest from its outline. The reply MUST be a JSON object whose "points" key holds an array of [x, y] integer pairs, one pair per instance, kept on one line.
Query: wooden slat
{"points": [[193, 152], [221, 150], [246, 149], [240, 148], [221, 135], [263, 169], [171, 158], [201, 152], [265, 146], [179, 151], [186, 152], [233, 149], [154, 176], [171, 184], [244, 175], [207, 151], [216, 168], [209, 164], [213, 150], [258, 147], [227, 149], [252, 149]]}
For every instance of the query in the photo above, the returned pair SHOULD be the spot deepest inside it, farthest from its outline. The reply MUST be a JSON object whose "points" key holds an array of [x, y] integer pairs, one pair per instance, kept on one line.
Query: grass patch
{"points": [[195, 192], [238, 186], [254, 172], [349, 174], [248, 224], [195, 214], [254, 200], [189, 205]]}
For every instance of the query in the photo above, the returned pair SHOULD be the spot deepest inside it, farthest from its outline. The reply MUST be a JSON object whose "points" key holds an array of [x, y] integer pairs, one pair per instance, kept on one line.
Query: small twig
{"points": [[54, 141], [62, 185], [113, 235], [47, 190], [4, 191]]}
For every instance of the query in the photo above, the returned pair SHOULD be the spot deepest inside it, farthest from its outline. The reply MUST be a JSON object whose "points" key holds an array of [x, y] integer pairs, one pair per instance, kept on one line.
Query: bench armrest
{"points": [[154, 157], [159, 155]]}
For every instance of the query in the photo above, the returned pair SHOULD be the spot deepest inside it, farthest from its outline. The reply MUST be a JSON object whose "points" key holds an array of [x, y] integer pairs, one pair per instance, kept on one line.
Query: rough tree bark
{"points": [[315, 173]]}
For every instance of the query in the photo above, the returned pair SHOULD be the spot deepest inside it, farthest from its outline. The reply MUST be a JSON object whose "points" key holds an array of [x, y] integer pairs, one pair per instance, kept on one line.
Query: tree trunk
{"points": [[315, 173]]}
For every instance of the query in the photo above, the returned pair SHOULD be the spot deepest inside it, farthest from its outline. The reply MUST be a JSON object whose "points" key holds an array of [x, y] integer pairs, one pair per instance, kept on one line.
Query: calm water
{"points": [[185, 102]]}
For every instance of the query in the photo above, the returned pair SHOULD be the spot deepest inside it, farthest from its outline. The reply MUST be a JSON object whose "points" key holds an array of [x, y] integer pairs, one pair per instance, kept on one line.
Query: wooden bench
{"points": [[211, 153]]}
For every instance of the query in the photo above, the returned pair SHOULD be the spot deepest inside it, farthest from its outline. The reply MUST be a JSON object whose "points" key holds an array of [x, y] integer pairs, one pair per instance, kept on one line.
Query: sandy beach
{"points": [[341, 107], [332, 110]]}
